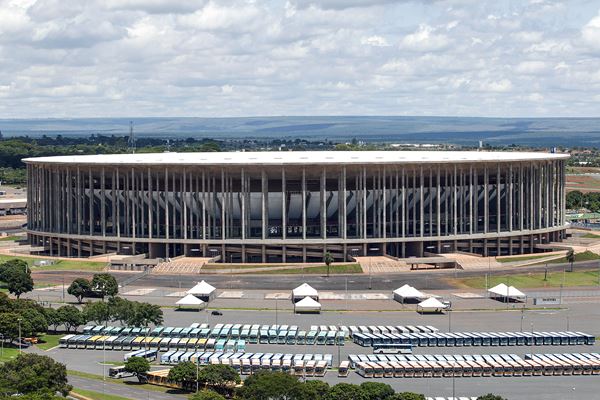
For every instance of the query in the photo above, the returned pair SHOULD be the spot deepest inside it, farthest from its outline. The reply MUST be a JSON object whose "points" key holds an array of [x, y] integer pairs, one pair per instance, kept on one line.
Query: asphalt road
{"points": [[424, 279], [111, 388]]}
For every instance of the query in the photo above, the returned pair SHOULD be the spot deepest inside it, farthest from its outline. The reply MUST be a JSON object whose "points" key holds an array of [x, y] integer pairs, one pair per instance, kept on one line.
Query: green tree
{"points": [[570, 257], [328, 259], [32, 373], [408, 396], [52, 318], [18, 281], [346, 391], [183, 373], [313, 390], [144, 314], [575, 200], [138, 366], [70, 317], [120, 309], [12, 264], [105, 285], [266, 385], [207, 395], [377, 390], [6, 303], [490, 396], [218, 376], [80, 288], [96, 312], [9, 326], [35, 319]]}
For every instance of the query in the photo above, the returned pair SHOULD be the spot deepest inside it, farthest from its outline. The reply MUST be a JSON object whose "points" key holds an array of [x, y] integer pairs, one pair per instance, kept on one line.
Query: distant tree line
{"points": [[577, 200], [222, 381]]}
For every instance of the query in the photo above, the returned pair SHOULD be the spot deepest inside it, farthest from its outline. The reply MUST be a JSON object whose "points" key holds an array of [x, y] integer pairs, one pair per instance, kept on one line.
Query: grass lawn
{"points": [[334, 269], [145, 386], [591, 236], [585, 256], [555, 279], [8, 353], [47, 342], [97, 395], [59, 265], [524, 258], [7, 238]]}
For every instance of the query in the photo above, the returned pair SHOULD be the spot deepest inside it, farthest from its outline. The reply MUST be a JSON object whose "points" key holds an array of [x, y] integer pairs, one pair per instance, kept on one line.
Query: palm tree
{"points": [[570, 258], [328, 259]]}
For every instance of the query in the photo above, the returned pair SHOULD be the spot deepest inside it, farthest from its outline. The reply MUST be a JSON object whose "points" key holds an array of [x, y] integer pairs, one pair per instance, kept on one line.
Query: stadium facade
{"points": [[295, 206]]}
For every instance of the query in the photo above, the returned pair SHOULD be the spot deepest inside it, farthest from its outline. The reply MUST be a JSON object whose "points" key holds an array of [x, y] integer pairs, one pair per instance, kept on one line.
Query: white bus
{"points": [[118, 372]]}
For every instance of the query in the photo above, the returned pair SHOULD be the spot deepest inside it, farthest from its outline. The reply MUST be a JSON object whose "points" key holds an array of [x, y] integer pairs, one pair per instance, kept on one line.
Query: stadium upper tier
{"points": [[297, 158]]}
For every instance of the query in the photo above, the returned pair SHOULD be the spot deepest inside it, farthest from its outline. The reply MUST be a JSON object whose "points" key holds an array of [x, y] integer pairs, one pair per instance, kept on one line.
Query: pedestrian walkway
{"points": [[381, 265], [473, 262], [184, 265]]}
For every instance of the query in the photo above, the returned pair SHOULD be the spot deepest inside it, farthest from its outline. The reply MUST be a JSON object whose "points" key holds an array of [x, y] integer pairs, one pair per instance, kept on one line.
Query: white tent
{"points": [[507, 292], [307, 305], [190, 301], [203, 291], [407, 292], [304, 290], [431, 305], [500, 289]]}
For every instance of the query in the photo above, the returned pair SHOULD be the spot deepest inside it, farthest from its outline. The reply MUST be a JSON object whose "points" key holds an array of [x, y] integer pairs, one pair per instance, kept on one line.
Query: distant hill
{"points": [[497, 131]]}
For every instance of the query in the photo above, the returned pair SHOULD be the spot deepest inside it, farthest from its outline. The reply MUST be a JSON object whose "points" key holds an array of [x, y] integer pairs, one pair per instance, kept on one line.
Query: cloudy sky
{"points": [[73, 58]]}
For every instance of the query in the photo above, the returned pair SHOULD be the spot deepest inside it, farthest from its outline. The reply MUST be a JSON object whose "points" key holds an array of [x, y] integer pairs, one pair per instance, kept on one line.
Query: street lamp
{"points": [[19, 321]]}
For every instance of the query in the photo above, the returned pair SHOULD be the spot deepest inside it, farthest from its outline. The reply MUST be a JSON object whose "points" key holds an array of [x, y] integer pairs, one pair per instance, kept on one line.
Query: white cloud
{"points": [[499, 86], [424, 38], [375, 40], [531, 67], [255, 57], [591, 32]]}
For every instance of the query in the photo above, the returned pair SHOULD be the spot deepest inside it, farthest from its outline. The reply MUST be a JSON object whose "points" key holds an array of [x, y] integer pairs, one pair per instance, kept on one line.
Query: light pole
{"points": [[449, 320], [346, 294], [19, 321], [522, 316], [276, 310]]}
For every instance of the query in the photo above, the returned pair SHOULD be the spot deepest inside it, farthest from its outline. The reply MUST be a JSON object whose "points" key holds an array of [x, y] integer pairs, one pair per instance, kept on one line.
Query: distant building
{"points": [[295, 206]]}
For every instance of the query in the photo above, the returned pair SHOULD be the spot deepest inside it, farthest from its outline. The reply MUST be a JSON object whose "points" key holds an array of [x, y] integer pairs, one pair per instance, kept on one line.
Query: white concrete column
{"points": [[283, 206], [304, 211]]}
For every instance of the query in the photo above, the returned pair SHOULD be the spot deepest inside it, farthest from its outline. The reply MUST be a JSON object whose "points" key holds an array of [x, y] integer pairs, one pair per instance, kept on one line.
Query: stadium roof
{"points": [[297, 158]]}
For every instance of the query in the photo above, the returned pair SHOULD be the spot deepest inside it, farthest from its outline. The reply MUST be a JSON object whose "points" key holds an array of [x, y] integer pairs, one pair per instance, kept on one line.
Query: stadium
{"points": [[296, 206]]}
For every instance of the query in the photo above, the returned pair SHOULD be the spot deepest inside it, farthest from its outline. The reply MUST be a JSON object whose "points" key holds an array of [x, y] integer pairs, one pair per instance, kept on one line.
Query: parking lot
{"points": [[577, 317]]}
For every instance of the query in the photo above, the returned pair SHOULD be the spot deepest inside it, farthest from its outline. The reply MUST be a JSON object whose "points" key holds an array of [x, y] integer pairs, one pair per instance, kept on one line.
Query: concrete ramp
{"points": [[381, 265], [472, 262], [184, 265]]}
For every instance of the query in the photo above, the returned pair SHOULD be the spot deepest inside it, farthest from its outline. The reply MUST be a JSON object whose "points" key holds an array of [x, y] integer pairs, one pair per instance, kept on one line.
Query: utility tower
{"points": [[131, 137]]}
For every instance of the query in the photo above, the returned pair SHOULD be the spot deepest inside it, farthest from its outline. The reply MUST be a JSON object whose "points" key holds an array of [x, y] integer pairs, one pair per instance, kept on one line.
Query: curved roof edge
{"points": [[296, 158]]}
